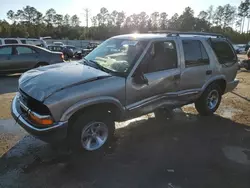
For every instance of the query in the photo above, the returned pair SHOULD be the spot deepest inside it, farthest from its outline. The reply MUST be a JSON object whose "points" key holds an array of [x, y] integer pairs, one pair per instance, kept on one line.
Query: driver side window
{"points": [[161, 56]]}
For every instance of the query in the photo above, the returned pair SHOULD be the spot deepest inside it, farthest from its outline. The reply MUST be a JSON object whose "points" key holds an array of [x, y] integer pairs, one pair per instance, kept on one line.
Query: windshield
{"points": [[117, 55]]}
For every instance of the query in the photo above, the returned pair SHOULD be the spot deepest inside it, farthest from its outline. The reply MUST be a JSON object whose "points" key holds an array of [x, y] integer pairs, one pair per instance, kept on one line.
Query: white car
{"points": [[32, 41], [58, 43]]}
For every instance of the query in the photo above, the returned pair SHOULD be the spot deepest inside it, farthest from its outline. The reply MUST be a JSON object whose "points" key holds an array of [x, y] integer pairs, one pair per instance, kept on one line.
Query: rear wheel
{"points": [[92, 132], [209, 101]]}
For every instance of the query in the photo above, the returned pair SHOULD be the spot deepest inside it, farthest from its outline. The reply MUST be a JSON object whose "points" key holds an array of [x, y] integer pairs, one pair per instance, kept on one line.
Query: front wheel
{"points": [[92, 132], [209, 101]]}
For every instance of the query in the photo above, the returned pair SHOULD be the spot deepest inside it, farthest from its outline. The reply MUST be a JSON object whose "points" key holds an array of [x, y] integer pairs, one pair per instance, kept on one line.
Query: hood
{"points": [[42, 82]]}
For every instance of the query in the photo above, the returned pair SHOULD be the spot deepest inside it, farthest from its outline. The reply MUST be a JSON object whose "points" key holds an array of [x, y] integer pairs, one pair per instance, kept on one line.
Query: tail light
{"points": [[62, 56]]}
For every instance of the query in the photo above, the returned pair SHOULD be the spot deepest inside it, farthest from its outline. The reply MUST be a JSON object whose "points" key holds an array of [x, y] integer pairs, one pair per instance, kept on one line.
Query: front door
{"points": [[161, 72], [5, 59]]}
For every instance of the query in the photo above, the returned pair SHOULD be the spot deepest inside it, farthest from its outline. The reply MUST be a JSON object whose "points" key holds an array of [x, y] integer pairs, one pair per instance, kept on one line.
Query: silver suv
{"points": [[125, 77]]}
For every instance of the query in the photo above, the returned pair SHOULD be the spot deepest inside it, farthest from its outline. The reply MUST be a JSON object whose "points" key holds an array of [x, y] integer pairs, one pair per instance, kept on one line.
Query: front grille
{"points": [[33, 104]]}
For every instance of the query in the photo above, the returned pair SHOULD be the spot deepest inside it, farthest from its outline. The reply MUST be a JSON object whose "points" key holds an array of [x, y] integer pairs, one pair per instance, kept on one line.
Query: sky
{"points": [[128, 6]]}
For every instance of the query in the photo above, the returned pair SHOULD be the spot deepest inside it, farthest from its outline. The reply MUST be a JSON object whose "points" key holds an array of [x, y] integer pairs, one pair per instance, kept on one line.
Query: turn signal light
{"points": [[40, 121]]}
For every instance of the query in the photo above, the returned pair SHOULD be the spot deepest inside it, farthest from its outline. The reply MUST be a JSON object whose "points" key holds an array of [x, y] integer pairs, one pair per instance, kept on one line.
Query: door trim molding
{"points": [[170, 95]]}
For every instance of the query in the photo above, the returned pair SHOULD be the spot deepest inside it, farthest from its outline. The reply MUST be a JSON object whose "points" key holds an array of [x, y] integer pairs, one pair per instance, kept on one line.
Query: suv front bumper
{"points": [[53, 134], [231, 85]]}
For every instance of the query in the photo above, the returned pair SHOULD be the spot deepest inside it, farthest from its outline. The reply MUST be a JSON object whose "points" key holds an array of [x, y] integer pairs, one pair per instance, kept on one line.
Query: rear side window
{"points": [[6, 51], [0, 42], [10, 41], [195, 53], [24, 50], [224, 52]]}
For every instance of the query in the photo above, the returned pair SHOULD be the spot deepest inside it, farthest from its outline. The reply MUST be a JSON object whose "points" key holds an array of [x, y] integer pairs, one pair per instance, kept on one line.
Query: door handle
{"points": [[209, 72]]}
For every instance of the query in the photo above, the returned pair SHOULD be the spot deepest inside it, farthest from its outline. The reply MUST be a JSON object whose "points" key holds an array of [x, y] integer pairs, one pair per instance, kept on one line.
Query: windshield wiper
{"points": [[92, 63], [98, 66], [85, 61]]}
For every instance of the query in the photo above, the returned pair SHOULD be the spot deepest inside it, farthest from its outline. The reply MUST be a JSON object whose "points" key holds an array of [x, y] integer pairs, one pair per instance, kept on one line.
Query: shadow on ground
{"points": [[9, 84], [186, 151]]}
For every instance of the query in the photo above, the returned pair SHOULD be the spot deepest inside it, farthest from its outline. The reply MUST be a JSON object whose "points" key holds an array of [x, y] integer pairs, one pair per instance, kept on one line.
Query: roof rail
{"points": [[178, 33]]}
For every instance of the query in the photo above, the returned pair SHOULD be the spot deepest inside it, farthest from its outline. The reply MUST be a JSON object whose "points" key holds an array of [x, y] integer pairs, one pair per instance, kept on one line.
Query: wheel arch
{"points": [[220, 80], [102, 103]]}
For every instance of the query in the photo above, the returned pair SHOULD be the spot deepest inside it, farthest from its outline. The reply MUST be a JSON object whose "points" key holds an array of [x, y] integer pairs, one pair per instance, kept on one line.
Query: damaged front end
{"points": [[34, 110], [36, 119], [37, 85]]}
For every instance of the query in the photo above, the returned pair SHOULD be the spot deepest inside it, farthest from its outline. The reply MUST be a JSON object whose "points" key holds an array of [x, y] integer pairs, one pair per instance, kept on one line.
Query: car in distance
{"points": [[32, 41], [58, 43], [16, 58], [240, 48], [67, 50], [90, 47], [55, 48], [124, 77]]}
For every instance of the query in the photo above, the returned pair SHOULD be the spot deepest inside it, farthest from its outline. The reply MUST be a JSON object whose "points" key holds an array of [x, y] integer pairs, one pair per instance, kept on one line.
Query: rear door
{"points": [[227, 58], [24, 58], [5, 59], [196, 69]]}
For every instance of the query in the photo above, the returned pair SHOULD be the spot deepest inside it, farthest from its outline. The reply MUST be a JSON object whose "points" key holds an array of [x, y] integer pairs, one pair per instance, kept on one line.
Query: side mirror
{"points": [[139, 77]]}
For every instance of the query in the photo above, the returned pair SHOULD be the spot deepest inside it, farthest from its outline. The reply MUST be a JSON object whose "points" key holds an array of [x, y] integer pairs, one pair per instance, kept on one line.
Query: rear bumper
{"points": [[231, 85], [53, 134]]}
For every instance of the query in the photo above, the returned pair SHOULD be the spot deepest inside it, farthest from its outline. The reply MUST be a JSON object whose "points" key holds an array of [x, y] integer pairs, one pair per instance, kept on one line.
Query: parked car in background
{"points": [[240, 48], [16, 58], [89, 48], [32, 41], [70, 51], [58, 43], [67, 50], [55, 48]]}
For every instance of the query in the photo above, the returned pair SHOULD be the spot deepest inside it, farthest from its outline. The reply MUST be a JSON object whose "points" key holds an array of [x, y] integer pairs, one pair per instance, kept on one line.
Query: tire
{"points": [[213, 94], [88, 129], [163, 113]]}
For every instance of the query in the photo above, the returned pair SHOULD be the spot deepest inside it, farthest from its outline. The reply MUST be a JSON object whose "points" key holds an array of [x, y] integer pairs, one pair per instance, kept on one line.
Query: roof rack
{"points": [[178, 33]]}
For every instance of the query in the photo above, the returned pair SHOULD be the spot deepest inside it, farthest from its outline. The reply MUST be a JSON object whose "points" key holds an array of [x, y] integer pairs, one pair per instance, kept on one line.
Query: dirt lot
{"points": [[235, 105], [185, 151], [8, 88]]}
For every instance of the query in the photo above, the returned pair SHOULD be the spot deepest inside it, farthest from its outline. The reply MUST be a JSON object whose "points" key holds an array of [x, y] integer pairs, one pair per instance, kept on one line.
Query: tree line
{"points": [[231, 21]]}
